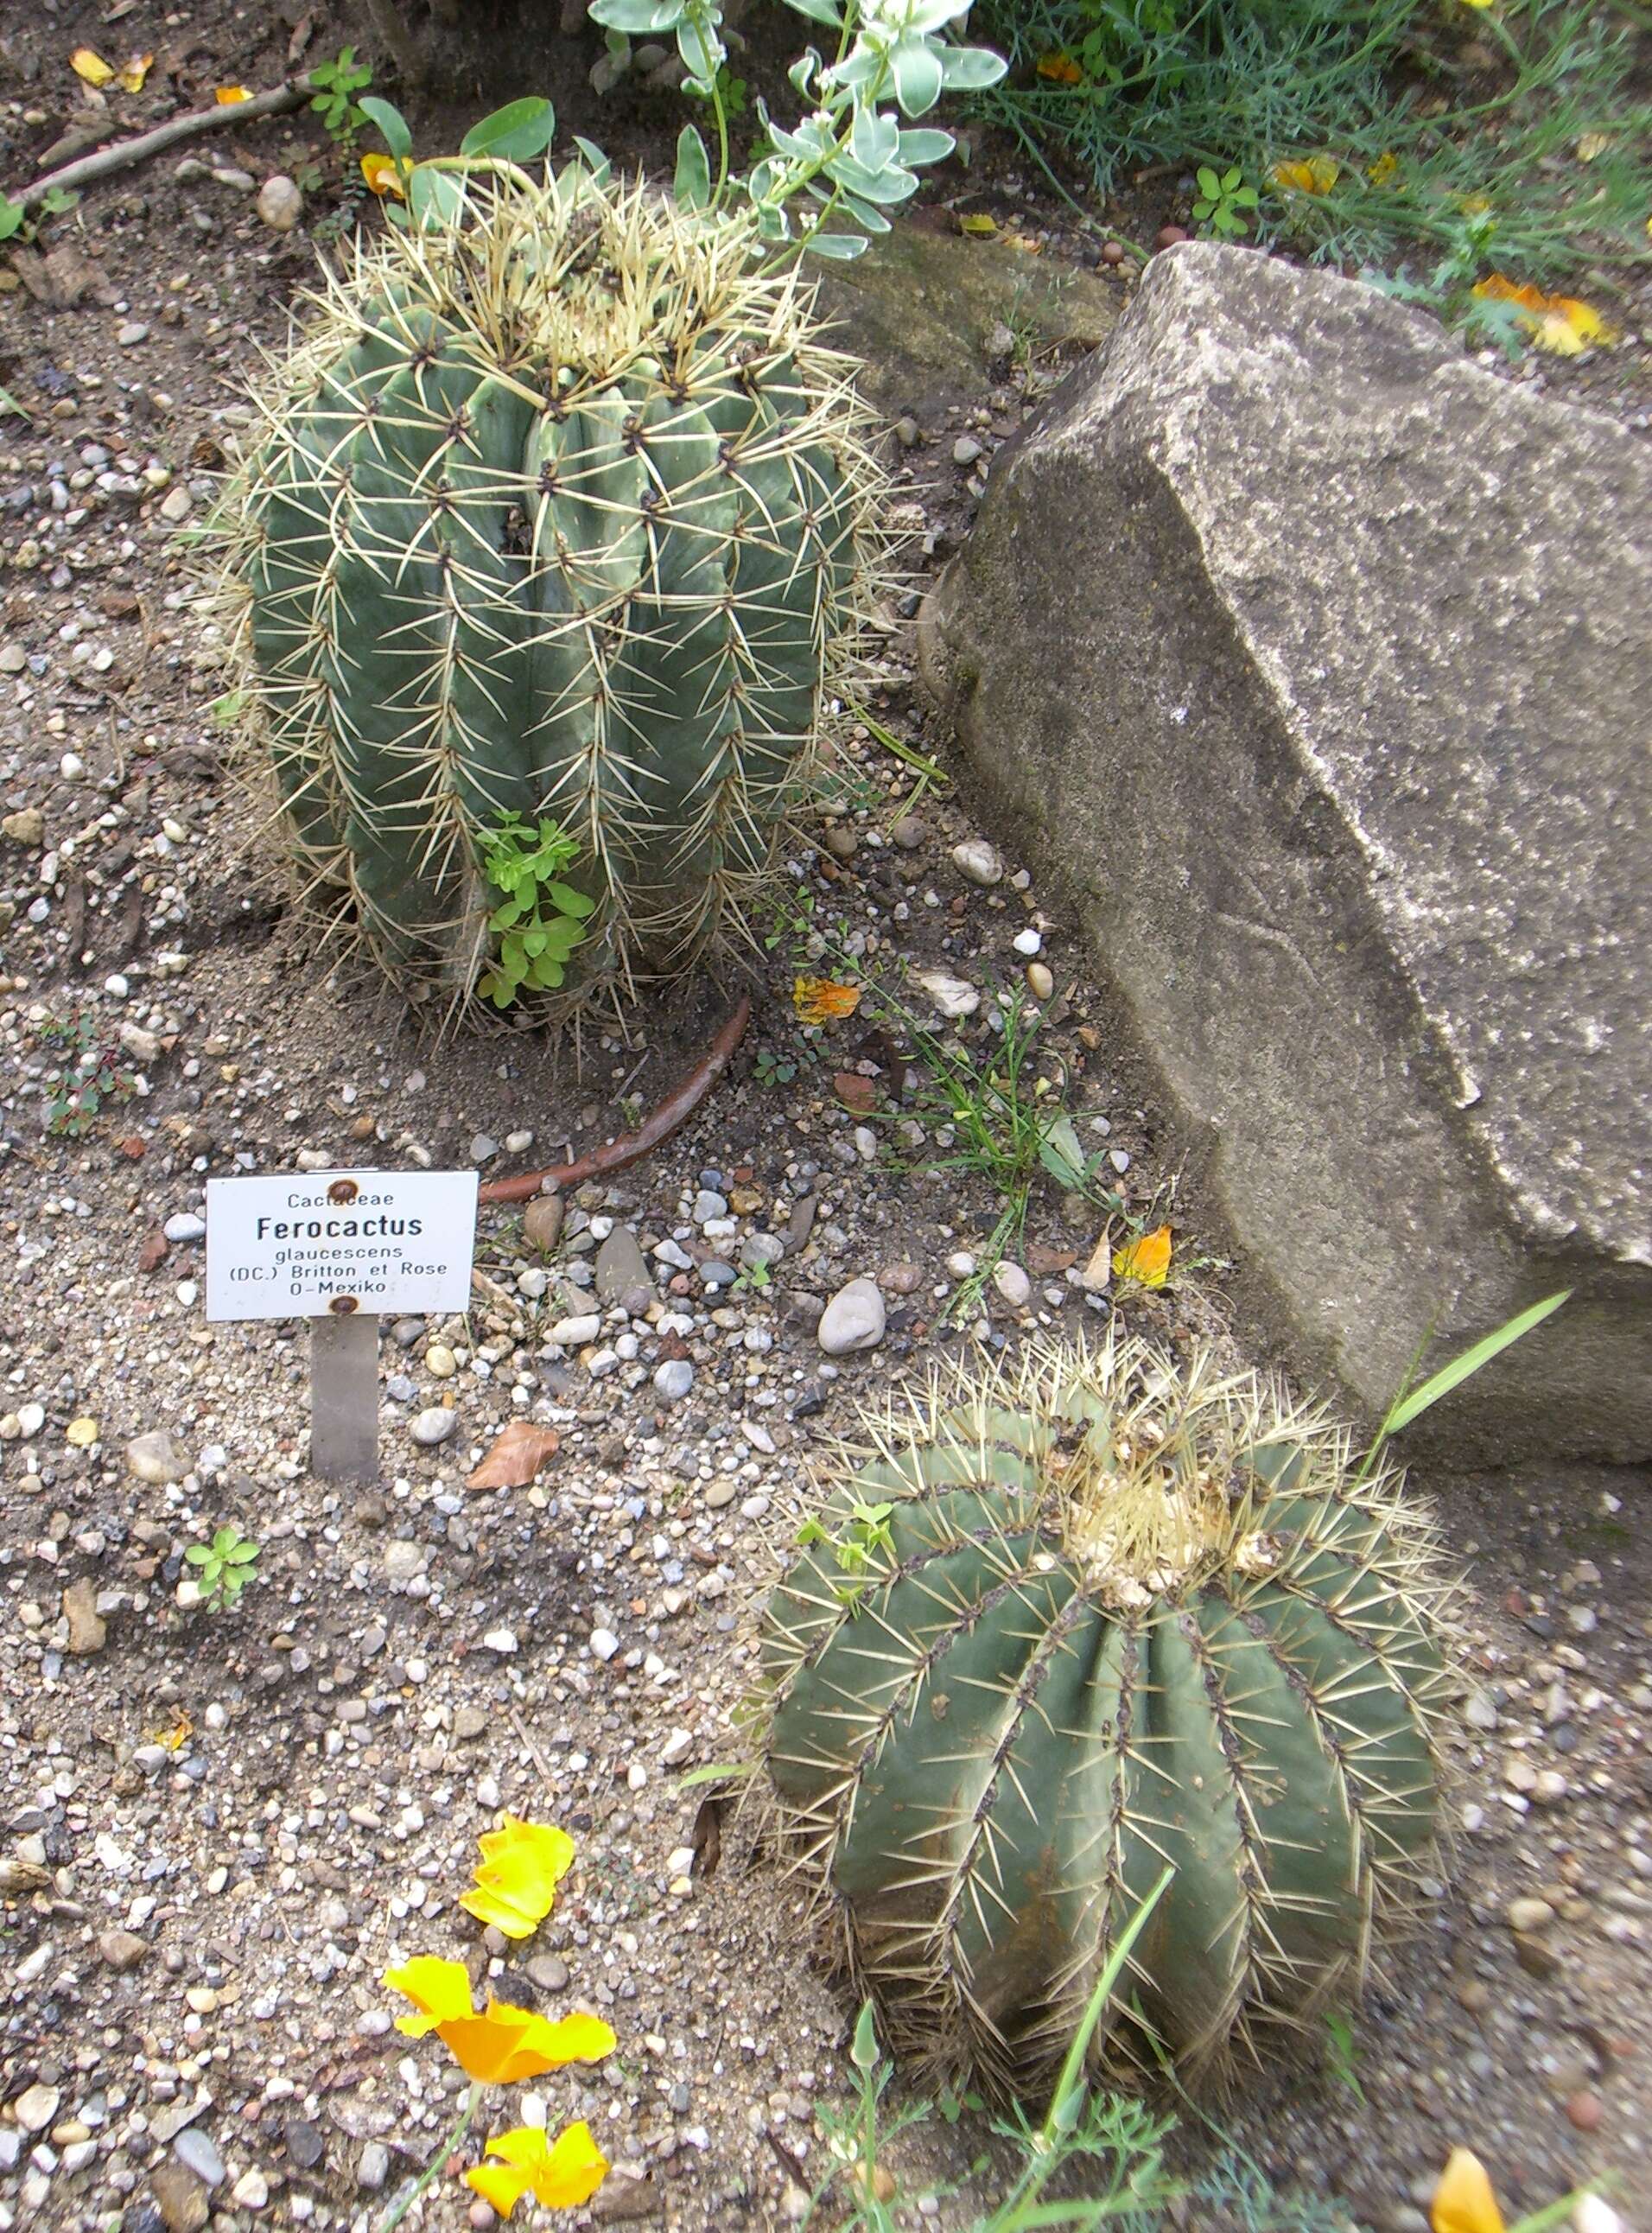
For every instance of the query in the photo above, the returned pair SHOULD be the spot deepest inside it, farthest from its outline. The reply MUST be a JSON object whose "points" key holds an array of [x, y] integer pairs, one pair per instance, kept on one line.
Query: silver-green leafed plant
{"points": [[1071, 1624]]}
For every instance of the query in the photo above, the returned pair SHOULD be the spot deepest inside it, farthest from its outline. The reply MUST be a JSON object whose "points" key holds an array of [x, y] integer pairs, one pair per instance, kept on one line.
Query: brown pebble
{"points": [[542, 1222], [1112, 251], [1535, 1956], [1585, 2111], [1474, 1996], [1168, 236]]}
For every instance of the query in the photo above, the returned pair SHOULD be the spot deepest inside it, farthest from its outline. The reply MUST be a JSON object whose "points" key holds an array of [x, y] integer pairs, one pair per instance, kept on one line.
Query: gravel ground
{"points": [[215, 1831]]}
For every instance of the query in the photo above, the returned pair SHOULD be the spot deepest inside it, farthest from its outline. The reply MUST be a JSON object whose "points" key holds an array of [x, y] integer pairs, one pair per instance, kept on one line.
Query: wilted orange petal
{"points": [[382, 176], [1145, 1261], [820, 1000], [227, 95], [1559, 323], [1060, 68], [90, 66], [1463, 2200], [134, 72], [1316, 175]]}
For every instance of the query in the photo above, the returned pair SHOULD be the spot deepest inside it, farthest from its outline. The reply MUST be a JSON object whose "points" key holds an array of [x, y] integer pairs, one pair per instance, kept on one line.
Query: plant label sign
{"points": [[340, 1242], [340, 1247]]}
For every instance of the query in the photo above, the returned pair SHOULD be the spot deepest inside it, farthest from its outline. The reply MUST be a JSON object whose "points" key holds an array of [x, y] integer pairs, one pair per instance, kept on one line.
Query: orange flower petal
{"points": [[227, 95], [517, 1879], [1060, 68], [1463, 2200], [1559, 323], [1145, 1261], [499, 2185], [560, 2174], [382, 176], [1315, 175], [440, 1990], [821, 1000], [505, 2044]]}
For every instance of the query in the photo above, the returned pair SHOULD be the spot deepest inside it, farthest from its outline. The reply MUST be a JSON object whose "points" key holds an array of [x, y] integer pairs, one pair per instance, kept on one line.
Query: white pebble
{"points": [[604, 1642]]}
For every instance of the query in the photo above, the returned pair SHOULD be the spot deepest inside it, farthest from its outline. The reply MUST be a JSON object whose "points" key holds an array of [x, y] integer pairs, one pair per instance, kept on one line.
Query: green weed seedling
{"points": [[337, 84], [1222, 199], [1116, 2140], [541, 918], [223, 1567], [88, 1075]]}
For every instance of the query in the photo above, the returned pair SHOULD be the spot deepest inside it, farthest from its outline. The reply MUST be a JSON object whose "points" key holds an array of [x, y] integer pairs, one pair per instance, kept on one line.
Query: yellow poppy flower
{"points": [[1145, 1261], [503, 2044], [560, 2174], [1463, 2200], [517, 1879], [1316, 175], [820, 1000], [1559, 323]]}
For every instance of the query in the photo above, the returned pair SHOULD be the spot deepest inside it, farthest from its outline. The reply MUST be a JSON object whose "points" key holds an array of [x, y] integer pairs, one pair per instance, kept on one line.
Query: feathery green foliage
{"points": [[1429, 113], [1064, 1627]]}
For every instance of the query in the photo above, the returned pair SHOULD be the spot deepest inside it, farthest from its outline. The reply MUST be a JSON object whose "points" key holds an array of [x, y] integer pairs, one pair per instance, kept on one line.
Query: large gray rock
{"points": [[1318, 658]]}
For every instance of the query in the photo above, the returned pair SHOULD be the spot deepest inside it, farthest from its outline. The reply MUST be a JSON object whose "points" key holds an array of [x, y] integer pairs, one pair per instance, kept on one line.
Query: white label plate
{"points": [[397, 1241]]}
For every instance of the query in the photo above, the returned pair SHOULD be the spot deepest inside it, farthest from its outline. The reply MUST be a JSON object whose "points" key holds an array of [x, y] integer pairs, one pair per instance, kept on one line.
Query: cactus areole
{"points": [[560, 509], [1106, 1615]]}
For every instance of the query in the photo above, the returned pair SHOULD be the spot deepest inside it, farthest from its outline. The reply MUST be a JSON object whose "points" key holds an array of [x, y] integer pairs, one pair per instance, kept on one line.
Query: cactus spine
{"points": [[1102, 1614], [560, 510]]}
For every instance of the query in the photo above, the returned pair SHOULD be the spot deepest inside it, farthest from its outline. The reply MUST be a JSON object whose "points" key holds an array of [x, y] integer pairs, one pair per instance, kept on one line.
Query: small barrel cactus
{"points": [[1101, 1617], [559, 515]]}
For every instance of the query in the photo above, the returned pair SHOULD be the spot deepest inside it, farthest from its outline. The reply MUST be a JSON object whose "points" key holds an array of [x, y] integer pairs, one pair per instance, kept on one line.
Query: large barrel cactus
{"points": [[560, 513], [1056, 1633]]}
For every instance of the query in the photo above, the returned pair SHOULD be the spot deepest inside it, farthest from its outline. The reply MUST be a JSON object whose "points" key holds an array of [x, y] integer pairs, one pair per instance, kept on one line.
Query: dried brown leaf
{"points": [[520, 1451]]}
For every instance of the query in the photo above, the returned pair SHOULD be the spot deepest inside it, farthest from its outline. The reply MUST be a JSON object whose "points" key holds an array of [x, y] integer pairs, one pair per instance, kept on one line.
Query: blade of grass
{"points": [[1407, 1408], [908, 753]]}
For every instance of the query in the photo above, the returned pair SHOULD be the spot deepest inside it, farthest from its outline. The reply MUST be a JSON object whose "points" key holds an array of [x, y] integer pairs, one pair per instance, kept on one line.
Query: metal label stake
{"points": [[344, 1393], [342, 1248]]}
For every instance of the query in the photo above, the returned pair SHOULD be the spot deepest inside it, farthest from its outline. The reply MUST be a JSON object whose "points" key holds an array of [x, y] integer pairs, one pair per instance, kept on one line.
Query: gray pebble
{"points": [[853, 1319], [433, 1426], [194, 2149]]}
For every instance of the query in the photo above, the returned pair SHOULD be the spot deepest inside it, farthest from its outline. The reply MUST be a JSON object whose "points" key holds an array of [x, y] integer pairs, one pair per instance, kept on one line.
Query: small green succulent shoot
{"points": [[541, 920], [224, 1567], [1222, 197]]}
